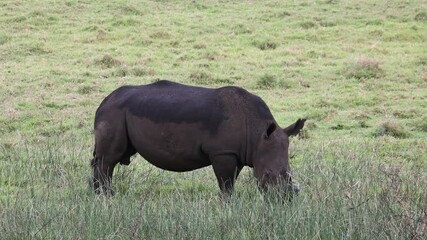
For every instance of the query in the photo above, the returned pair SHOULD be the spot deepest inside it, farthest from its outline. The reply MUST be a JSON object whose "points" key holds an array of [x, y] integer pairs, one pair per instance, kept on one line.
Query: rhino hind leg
{"points": [[111, 147], [102, 177]]}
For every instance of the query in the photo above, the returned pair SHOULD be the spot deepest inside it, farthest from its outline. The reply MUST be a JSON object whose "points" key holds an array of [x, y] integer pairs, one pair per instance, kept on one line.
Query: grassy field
{"points": [[357, 70]]}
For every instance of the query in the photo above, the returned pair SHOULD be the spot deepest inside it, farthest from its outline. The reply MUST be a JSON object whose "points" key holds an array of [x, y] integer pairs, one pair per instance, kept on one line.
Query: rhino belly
{"points": [[170, 146]]}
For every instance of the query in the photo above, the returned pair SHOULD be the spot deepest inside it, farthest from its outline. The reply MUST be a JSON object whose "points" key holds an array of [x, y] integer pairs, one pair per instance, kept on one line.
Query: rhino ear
{"points": [[295, 128], [271, 128]]}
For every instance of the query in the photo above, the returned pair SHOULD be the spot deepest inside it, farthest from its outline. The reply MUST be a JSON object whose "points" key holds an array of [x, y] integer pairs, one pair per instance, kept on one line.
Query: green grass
{"points": [[356, 69], [352, 188]]}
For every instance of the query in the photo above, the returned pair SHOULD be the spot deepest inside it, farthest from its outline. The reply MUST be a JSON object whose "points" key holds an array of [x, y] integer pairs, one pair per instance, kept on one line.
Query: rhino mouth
{"points": [[290, 185], [294, 187]]}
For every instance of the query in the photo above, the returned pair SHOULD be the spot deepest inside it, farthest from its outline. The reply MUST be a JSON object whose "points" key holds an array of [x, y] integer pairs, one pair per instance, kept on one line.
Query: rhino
{"points": [[182, 128]]}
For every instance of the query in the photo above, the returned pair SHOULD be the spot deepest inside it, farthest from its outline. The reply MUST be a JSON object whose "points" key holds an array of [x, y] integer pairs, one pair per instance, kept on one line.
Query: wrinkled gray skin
{"points": [[182, 128]]}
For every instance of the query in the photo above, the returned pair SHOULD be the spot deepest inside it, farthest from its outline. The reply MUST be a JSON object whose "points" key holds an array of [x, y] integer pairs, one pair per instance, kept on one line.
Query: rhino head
{"points": [[271, 164]]}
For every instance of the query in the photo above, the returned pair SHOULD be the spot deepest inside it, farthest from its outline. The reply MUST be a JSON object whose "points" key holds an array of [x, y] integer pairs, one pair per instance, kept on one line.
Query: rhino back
{"points": [[168, 102]]}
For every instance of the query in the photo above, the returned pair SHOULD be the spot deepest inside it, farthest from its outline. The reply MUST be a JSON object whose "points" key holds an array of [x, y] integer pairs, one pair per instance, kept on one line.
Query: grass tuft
{"points": [[101, 35], [107, 61], [124, 22], [422, 124], [3, 38], [124, 71], [304, 134], [138, 71], [37, 48], [422, 16], [265, 44], [285, 14], [392, 128], [331, 2], [160, 35], [85, 89], [200, 46], [241, 29], [364, 68], [267, 81], [308, 24], [327, 23], [200, 77], [375, 22], [130, 10]]}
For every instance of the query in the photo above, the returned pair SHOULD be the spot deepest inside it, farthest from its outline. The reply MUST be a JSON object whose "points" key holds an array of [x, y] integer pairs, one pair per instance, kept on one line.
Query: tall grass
{"points": [[347, 192]]}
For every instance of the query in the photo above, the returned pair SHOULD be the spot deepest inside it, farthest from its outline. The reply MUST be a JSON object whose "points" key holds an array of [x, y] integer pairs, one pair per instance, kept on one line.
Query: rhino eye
{"points": [[270, 130]]}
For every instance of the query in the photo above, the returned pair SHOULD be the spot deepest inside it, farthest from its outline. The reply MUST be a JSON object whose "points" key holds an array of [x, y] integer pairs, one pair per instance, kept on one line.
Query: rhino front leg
{"points": [[226, 170]]}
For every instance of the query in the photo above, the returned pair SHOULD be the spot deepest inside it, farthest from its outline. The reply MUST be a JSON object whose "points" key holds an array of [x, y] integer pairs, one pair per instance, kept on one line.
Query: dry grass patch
{"points": [[392, 128], [160, 35], [267, 82], [108, 61], [421, 16], [265, 44], [422, 124], [200, 77], [364, 68]]}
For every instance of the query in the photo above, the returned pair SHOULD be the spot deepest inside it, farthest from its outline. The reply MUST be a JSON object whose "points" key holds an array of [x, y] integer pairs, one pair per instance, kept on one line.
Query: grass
{"points": [[267, 81], [364, 68], [356, 70], [361, 190], [391, 128]]}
